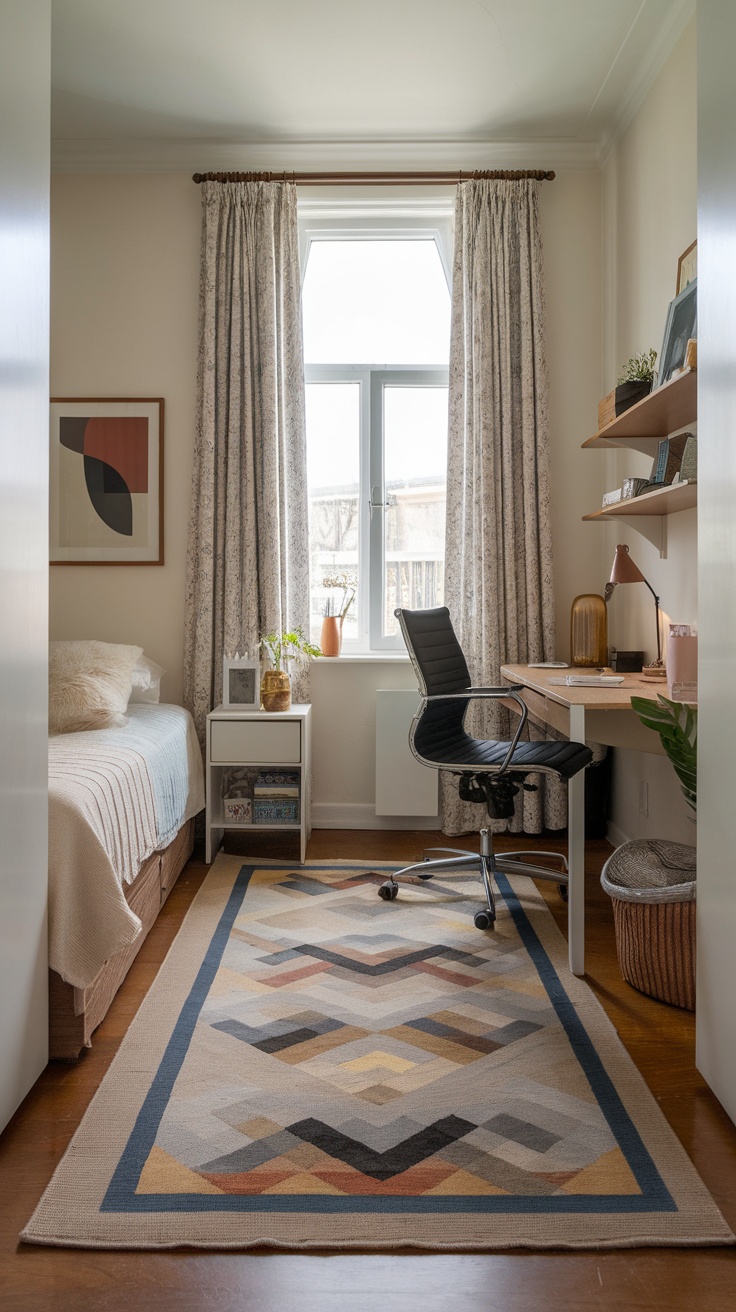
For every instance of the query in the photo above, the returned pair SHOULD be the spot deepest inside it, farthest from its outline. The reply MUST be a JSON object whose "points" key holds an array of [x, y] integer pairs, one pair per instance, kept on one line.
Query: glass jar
{"points": [[589, 631]]}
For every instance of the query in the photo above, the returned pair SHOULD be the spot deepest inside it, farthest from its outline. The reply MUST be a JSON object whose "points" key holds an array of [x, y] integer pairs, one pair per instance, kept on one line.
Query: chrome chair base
{"points": [[487, 862]]}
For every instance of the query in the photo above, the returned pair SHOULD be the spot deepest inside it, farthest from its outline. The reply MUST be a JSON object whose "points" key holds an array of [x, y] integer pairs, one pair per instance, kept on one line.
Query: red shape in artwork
{"points": [[123, 444]]}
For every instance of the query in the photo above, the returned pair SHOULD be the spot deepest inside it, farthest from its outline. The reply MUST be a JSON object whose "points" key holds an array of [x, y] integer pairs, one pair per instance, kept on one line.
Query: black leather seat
{"points": [[490, 771]]}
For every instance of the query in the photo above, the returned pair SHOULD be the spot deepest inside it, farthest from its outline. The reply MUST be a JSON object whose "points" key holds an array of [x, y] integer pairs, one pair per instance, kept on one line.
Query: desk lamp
{"points": [[624, 570]]}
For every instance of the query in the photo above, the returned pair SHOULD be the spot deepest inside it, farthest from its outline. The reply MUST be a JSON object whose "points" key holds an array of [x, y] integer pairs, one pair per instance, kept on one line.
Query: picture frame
{"points": [[106, 490], [680, 327], [241, 683], [687, 267]]}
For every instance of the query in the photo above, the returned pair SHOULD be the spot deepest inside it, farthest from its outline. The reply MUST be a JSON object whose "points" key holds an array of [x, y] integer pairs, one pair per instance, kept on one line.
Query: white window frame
{"points": [[406, 218]]}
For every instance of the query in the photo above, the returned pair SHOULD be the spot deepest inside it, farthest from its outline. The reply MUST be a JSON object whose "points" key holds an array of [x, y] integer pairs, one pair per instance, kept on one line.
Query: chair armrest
{"points": [[474, 692], [510, 692]]}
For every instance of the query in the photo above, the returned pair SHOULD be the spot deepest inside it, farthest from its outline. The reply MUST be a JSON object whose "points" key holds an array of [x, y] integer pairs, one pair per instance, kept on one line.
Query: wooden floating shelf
{"points": [[664, 501], [663, 411]]}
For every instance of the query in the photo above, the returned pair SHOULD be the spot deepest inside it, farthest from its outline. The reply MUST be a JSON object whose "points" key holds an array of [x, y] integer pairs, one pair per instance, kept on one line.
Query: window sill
{"points": [[365, 658]]}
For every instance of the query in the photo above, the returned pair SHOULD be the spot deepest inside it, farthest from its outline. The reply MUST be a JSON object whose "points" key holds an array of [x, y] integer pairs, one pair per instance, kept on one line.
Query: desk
{"points": [[601, 715]]}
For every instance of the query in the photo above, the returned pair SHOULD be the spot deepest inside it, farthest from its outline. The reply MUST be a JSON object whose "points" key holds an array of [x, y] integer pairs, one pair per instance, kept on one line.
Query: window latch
{"points": [[374, 504]]}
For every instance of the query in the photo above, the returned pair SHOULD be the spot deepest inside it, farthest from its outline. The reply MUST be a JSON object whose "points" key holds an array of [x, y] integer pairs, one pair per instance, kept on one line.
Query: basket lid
{"points": [[651, 863]]}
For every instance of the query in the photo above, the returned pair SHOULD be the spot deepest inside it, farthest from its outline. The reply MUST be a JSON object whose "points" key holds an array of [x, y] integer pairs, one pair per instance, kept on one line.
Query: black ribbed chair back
{"points": [[490, 771], [441, 668]]}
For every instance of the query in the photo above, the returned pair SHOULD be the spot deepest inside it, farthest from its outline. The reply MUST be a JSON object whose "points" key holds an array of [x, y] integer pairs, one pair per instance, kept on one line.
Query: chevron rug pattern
{"points": [[317, 1068]]}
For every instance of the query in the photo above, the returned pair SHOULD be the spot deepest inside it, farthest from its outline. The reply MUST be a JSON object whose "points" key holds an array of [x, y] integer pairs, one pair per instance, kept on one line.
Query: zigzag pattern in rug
{"points": [[423, 1026]]}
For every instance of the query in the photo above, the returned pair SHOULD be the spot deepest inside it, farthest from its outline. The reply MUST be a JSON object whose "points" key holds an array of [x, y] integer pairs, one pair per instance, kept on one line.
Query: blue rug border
{"points": [[121, 1195]]}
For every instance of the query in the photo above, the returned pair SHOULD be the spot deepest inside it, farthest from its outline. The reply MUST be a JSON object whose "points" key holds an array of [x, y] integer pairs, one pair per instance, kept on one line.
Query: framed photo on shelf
{"points": [[241, 683], [687, 267], [680, 327], [106, 481]]}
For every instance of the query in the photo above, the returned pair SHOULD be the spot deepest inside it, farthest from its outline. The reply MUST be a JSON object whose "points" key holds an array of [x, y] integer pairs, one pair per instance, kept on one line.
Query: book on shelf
{"points": [[275, 810], [668, 460], [276, 784]]}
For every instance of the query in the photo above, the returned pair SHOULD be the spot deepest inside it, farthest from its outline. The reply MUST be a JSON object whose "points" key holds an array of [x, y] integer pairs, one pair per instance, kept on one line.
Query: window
{"points": [[376, 310]]}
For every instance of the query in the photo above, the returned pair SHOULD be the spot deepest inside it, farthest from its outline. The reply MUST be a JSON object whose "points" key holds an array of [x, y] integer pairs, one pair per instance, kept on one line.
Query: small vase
{"points": [[276, 691], [331, 637], [589, 631]]}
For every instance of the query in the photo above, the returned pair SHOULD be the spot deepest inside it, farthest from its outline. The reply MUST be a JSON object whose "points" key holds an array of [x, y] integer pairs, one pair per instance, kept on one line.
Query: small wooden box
{"points": [[621, 398], [607, 409]]}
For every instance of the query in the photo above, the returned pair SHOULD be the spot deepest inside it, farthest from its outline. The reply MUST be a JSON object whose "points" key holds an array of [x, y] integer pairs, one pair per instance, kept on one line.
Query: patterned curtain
{"points": [[247, 566], [498, 562]]}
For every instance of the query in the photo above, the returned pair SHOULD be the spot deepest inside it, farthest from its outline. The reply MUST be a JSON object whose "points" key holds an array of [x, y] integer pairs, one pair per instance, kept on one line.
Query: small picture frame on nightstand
{"points": [[241, 683]]}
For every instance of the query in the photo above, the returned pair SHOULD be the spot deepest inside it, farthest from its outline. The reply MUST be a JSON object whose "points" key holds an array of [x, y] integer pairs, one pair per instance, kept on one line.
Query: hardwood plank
{"points": [[659, 1038]]}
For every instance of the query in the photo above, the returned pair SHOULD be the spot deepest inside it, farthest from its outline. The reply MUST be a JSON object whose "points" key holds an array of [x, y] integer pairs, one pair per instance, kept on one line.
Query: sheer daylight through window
{"points": [[376, 345]]}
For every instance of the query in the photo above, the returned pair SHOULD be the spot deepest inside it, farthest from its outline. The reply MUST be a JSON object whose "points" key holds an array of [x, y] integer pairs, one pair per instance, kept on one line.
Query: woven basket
{"points": [[655, 924]]}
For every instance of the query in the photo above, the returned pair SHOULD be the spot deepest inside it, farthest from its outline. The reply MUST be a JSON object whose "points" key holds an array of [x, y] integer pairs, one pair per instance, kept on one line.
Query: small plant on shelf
{"points": [[639, 369]]}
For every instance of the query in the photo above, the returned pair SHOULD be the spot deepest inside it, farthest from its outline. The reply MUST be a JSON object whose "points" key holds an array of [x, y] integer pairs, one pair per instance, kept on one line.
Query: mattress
{"points": [[116, 796]]}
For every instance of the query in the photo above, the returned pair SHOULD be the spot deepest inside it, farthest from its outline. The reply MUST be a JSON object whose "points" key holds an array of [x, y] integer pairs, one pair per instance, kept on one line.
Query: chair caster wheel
{"points": [[562, 890], [483, 920], [388, 891]]}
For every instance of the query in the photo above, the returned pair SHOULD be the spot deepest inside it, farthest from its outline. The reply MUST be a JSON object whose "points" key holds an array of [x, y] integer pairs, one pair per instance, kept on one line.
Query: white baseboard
{"points": [[362, 815], [616, 835]]}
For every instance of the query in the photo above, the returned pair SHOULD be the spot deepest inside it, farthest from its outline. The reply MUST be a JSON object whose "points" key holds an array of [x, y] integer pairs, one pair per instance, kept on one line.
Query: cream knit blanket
{"points": [[115, 797]]}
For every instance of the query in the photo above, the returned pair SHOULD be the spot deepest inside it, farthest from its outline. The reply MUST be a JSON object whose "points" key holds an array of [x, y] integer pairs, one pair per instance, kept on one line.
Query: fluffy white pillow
{"points": [[147, 681], [89, 684]]}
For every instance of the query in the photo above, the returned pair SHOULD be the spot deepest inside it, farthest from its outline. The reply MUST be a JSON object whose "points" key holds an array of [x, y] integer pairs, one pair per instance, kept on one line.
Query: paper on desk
{"points": [[589, 680]]}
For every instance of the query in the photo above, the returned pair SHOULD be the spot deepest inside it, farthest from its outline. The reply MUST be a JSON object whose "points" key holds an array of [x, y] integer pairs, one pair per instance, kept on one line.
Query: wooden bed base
{"points": [[75, 1013]]}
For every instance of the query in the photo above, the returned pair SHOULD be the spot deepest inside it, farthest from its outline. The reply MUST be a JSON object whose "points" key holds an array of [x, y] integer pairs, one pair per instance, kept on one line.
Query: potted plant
{"points": [[677, 726], [276, 684], [635, 380]]}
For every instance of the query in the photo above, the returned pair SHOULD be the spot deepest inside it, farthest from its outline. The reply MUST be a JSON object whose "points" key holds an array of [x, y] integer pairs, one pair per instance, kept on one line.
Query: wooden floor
{"points": [[659, 1038]]}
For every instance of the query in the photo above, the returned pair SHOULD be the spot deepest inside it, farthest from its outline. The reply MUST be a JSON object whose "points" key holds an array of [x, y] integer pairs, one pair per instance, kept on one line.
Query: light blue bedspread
{"points": [[165, 737]]}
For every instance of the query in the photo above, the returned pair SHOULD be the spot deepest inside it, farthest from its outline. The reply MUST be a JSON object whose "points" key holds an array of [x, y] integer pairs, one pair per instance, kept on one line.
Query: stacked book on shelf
{"points": [[276, 797]]}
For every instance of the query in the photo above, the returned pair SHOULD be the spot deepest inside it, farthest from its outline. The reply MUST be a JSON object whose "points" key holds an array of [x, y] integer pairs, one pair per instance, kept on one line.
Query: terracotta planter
{"points": [[276, 691], [331, 637]]}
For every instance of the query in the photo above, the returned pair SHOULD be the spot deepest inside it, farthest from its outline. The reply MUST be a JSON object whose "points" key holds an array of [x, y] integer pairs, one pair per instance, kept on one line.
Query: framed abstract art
{"points": [[106, 481]]}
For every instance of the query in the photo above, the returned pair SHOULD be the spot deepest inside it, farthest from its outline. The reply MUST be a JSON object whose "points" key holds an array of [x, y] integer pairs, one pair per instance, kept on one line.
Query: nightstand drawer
{"points": [[257, 742]]}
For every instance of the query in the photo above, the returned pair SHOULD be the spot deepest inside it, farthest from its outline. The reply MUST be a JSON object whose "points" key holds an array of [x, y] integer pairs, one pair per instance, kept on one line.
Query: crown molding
{"points": [[168, 156], [649, 69]]}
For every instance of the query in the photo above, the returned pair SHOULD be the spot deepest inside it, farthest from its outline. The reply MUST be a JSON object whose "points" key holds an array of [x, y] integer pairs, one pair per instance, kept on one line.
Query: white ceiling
{"points": [[327, 81]]}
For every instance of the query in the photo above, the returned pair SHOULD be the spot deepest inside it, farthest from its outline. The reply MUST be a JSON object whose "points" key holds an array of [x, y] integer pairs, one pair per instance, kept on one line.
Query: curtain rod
{"points": [[380, 179]]}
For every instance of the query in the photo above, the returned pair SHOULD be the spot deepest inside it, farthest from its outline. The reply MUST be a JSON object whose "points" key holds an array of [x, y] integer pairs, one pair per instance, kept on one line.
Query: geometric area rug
{"points": [[316, 1068]]}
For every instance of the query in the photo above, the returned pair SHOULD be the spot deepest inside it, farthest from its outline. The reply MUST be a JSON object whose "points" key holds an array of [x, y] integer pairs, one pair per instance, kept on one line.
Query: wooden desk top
{"points": [[614, 697]]}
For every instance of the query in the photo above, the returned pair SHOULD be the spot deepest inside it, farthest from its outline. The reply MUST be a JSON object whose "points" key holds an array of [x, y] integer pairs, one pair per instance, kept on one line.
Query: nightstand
{"points": [[265, 741]]}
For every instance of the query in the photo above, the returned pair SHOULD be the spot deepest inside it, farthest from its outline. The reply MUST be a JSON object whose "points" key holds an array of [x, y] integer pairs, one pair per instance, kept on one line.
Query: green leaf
{"points": [[677, 726]]}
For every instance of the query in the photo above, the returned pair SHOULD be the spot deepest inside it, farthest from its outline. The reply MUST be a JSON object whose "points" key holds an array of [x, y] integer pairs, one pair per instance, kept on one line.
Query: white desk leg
{"points": [[576, 852]]}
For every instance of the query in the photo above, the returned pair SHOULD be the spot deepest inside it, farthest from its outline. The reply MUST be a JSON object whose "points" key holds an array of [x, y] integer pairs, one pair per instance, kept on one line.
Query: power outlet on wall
{"points": [[643, 797]]}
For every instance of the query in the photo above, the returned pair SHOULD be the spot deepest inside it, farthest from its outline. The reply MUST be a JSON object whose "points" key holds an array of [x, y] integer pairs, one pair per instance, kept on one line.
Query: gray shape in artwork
{"points": [[71, 432], [109, 495]]}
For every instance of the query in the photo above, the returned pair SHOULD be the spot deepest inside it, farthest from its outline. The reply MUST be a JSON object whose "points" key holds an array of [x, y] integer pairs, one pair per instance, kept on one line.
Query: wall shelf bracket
{"points": [[651, 527]]}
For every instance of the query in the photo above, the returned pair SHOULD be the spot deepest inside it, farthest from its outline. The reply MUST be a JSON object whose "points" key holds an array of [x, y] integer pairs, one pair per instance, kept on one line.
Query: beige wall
{"points": [[124, 289], [125, 253], [649, 196]]}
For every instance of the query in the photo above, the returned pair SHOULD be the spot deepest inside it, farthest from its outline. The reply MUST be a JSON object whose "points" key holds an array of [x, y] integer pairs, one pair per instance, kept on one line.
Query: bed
{"points": [[122, 802]]}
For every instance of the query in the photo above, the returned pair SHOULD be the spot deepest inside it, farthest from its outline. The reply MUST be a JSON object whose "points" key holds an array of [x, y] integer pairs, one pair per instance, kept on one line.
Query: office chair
{"points": [[490, 772]]}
